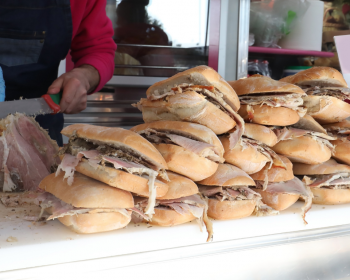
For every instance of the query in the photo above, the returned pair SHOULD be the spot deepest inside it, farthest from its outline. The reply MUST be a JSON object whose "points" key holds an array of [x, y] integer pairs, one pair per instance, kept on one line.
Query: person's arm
{"points": [[92, 52]]}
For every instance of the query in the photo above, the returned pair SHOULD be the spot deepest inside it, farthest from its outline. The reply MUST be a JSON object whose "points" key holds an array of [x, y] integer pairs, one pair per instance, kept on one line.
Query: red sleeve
{"points": [[92, 41]]}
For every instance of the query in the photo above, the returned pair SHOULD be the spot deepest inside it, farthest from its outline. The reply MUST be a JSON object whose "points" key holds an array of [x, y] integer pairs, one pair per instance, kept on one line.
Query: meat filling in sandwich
{"points": [[59, 208], [104, 155], [237, 193], [269, 102], [212, 94], [288, 133], [341, 93], [328, 181], [293, 187], [292, 101], [190, 205], [195, 145]]}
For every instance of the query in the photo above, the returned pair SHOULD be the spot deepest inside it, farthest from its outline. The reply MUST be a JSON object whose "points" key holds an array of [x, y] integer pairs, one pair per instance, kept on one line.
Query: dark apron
{"points": [[35, 35]]}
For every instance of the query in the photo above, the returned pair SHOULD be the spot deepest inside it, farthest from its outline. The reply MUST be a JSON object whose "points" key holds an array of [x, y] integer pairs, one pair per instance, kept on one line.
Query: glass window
{"points": [[159, 37]]}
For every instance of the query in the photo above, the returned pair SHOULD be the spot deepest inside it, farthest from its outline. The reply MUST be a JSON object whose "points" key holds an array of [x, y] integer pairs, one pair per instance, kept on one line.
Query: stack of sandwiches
{"points": [[276, 114], [115, 162], [195, 157], [327, 101], [341, 131], [327, 93], [183, 116]]}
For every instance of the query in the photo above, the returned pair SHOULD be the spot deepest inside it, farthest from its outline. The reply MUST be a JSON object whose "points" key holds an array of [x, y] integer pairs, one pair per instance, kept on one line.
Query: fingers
{"points": [[74, 97], [79, 102], [56, 86], [74, 86]]}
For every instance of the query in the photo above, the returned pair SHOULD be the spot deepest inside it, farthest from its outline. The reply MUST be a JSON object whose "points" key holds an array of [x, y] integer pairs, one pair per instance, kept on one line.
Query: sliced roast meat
{"points": [[5, 180], [25, 166], [27, 154], [292, 101], [59, 208], [294, 186], [39, 139], [236, 194], [230, 194], [193, 204], [337, 92], [265, 150], [338, 132], [334, 181], [198, 147], [288, 133]]}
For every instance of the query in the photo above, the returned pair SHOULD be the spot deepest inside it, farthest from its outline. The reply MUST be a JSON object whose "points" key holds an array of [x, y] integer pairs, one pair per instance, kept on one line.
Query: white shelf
{"points": [[51, 244]]}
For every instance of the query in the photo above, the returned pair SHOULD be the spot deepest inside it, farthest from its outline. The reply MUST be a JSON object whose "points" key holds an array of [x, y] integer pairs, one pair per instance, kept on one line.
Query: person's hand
{"points": [[75, 85]]}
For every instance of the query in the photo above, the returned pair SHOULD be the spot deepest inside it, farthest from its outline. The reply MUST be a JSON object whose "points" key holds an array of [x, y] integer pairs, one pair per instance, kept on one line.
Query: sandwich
{"points": [[181, 204], [328, 181], [304, 142], [189, 149], [282, 189], [269, 102], [254, 150], [198, 95], [341, 131], [86, 206], [230, 196], [115, 156], [327, 93]]}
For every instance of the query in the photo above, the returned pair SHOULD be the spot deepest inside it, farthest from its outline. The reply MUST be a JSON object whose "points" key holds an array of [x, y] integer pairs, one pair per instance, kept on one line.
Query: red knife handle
{"points": [[53, 101]]}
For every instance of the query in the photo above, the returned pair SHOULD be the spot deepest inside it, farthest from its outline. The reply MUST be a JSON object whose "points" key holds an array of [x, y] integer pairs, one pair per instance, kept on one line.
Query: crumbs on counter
{"points": [[11, 239]]}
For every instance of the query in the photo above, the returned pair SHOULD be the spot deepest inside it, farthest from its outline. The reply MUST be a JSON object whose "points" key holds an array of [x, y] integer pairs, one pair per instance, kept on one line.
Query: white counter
{"points": [[43, 247]]}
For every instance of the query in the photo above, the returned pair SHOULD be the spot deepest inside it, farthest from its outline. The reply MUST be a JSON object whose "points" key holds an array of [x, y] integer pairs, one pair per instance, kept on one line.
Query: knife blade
{"points": [[47, 104]]}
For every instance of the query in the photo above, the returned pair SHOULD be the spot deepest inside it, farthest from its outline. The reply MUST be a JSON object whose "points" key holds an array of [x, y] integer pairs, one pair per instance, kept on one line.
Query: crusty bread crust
{"points": [[117, 137], [188, 107], [200, 75], [278, 201], [328, 167], [228, 175], [330, 197], [86, 192], [120, 179], [97, 222], [191, 130], [303, 149], [260, 133], [276, 174], [229, 210], [186, 163], [326, 109], [179, 186], [168, 218], [342, 150], [263, 84], [308, 123], [267, 115], [317, 76], [247, 159]]}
